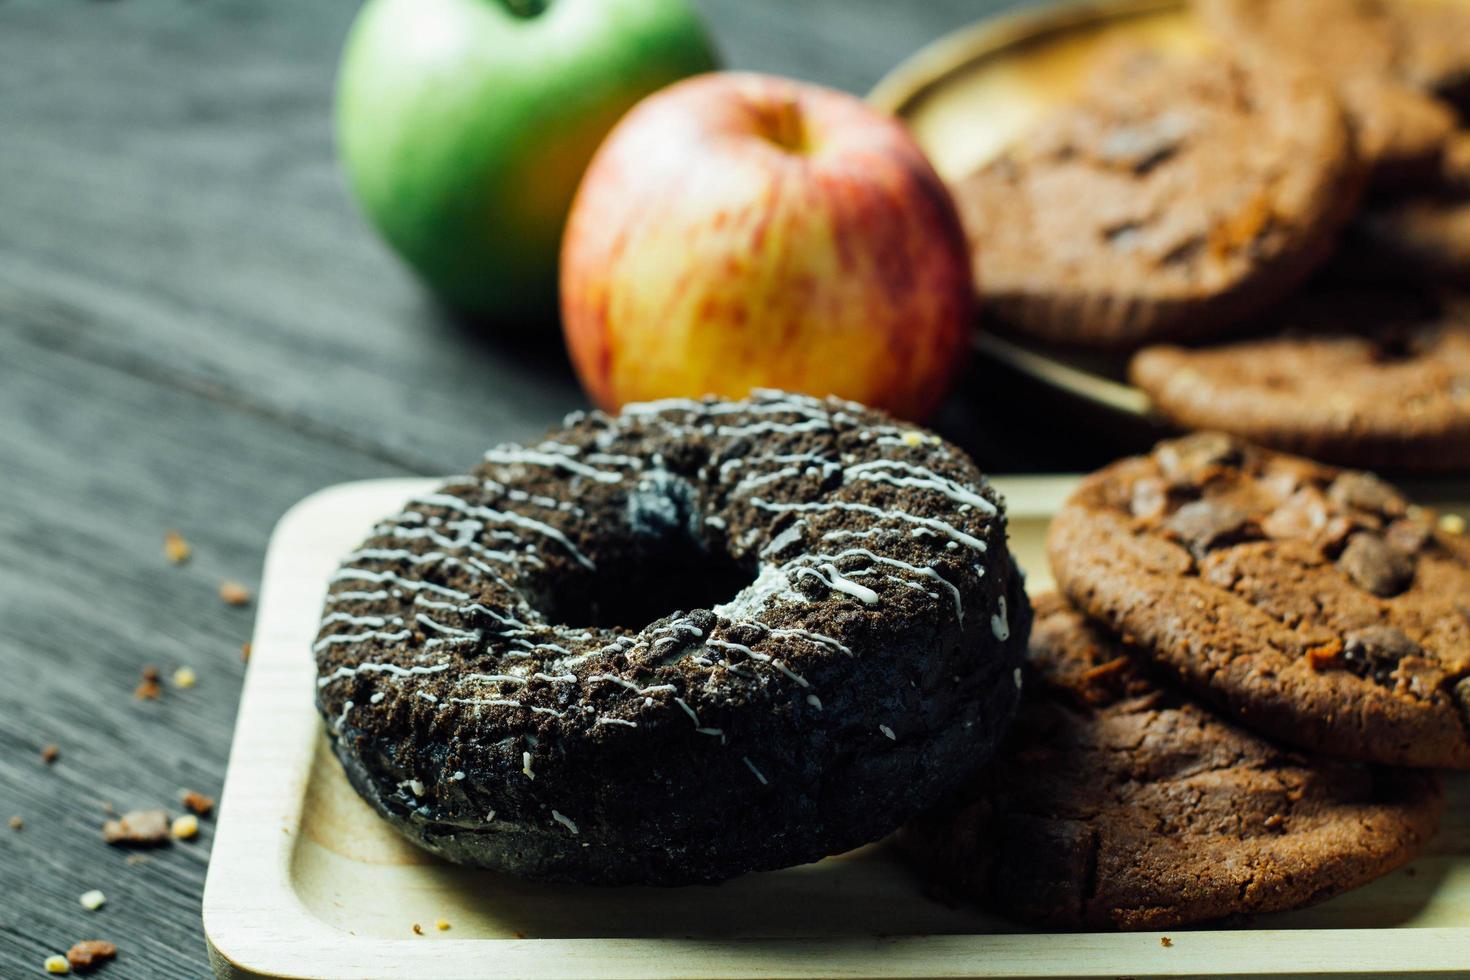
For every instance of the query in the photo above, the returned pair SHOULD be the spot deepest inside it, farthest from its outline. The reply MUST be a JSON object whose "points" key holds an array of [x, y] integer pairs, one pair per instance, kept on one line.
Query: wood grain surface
{"points": [[196, 330]]}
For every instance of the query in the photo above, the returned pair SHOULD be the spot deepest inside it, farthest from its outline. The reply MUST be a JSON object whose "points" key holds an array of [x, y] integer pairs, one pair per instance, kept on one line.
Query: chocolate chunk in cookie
{"points": [[1364, 378], [1341, 627], [1177, 196], [1118, 803], [1371, 563]]}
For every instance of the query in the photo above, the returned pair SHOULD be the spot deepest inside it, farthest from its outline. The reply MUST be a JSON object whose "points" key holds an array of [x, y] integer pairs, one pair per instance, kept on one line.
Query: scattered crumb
{"points": [[442, 925], [17, 822], [185, 678], [418, 930], [1452, 524], [175, 548], [89, 953], [108, 808], [233, 593], [1103, 673], [137, 828], [148, 689], [245, 653], [185, 827], [518, 934], [1324, 656], [133, 860], [50, 754], [56, 964], [1274, 820], [93, 900], [197, 802], [1165, 942]]}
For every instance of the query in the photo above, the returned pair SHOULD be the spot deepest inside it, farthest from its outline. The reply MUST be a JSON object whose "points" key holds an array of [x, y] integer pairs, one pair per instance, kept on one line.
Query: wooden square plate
{"points": [[306, 882]]}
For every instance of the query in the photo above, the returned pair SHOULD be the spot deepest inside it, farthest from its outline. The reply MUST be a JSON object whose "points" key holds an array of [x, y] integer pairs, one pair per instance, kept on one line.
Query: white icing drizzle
{"points": [[767, 428], [376, 622], [887, 733], [969, 540], [522, 497], [802, 681], [921, 571], [998, 624], [565, 821], [758, 774], [920, 478], [829, 574], [688, 710], [340, 638], [380, 668], [630, 685], [737, 647], [492, 515], [462, 541], [487, 702], [397, 581], [526, 765], [510, 456], [555, 678], [606, 720], [820, 639], [494, 678]]}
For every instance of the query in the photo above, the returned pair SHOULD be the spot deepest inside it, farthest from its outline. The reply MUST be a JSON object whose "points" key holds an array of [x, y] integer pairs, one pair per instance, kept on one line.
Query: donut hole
{"points": [[653, 584], [660, 558]]}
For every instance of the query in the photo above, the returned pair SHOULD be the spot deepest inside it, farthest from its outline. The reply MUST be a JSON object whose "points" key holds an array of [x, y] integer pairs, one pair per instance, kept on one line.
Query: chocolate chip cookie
{"points": [[1312, 604], [1377, 379], [1117, 803], [1177, 196], [1381, 66]]}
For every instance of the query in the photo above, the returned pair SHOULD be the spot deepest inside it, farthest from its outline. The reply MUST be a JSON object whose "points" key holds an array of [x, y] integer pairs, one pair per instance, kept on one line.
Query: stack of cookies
{"points": [[1274, 231], [1233, 705]]}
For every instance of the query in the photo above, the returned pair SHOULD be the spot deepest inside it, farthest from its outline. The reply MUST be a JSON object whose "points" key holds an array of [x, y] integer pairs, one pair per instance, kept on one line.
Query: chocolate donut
{"points": [[502, 679]]}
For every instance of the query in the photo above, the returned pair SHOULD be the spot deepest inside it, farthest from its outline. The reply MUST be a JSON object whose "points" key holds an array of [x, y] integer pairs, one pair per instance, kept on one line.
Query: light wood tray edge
{"points": [[257, 926]]}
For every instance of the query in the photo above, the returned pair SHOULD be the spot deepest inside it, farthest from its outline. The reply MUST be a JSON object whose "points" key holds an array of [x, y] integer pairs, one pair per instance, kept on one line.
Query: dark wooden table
{"points": [[196, 330]]}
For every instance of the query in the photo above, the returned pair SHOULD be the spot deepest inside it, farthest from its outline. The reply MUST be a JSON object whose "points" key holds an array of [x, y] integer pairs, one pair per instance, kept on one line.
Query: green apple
{"points": [[465, 126]]}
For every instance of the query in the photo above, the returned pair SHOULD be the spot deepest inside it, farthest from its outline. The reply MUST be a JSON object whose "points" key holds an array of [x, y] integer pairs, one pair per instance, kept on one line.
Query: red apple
{"points": [[737, 231]]}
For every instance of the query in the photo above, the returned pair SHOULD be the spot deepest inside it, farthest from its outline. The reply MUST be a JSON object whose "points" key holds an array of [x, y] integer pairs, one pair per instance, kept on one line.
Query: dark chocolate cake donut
{"points": [[502, 679]]}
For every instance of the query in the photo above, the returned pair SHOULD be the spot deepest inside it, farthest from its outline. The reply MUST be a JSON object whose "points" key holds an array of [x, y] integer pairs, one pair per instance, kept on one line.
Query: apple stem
{"points": [[785, 126], [526, 8]]}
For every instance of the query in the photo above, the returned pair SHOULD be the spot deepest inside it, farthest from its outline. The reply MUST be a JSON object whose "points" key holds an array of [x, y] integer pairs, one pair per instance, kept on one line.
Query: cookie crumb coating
{"points": [[502, 677]]}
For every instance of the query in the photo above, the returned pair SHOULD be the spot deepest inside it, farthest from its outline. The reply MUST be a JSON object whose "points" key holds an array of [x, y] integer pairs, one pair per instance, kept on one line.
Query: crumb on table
{"points": [[175, 548]]}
